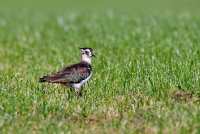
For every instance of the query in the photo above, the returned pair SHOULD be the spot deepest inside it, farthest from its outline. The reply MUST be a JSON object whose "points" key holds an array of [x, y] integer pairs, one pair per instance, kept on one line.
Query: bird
{"points": [[73, 76]]}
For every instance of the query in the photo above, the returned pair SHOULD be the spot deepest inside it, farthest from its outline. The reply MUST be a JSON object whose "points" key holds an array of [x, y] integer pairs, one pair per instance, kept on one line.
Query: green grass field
{"points": [[145, 80]]}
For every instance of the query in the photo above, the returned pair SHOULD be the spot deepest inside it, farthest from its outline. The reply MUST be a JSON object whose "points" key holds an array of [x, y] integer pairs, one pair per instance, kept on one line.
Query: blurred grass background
{"points": [[129, 6]]}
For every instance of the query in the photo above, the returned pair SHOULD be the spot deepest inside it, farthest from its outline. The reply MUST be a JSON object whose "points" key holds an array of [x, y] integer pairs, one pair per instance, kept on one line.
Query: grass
{"points": [[146, 73]]}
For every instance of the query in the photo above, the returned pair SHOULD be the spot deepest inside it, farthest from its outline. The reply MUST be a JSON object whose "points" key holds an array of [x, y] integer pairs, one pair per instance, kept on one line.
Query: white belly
{"points": [[78, 85]]}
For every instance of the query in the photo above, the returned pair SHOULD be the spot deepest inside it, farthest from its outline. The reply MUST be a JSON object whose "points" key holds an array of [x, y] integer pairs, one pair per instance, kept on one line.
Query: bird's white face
{"points": [[86, 54]]}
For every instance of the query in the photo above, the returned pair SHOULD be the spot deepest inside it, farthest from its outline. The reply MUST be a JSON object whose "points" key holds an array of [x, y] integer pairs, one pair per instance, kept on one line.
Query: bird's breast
{"points": [[78, 85]]}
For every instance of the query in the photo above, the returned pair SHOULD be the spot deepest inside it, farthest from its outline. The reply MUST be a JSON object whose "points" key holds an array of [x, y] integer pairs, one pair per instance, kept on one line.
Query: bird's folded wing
{"points": [[72, 74]]}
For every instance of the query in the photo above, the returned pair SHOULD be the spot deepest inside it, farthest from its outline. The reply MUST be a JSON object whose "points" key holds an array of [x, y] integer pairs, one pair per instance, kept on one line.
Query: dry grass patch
{"points": [[179, 95]]}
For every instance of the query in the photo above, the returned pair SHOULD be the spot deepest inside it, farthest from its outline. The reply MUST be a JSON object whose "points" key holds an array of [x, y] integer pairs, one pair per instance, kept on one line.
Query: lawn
{"points": [[145, 80]]}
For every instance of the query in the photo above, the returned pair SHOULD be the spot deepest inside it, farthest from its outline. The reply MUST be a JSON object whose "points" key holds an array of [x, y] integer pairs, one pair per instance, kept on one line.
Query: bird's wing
{"points": [[71, 74]]}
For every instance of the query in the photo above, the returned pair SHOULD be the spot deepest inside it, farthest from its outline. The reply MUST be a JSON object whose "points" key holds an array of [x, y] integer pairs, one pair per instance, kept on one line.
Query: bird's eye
{"points": [[86, 52]]}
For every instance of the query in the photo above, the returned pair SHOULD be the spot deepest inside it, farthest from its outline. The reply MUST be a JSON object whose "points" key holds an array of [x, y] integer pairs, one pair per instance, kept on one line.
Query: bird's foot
{"points": [[78, 92]]}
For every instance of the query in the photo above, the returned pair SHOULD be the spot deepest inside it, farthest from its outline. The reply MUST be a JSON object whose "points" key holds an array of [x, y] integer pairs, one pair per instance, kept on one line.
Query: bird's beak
{"points": [[93, 55]]}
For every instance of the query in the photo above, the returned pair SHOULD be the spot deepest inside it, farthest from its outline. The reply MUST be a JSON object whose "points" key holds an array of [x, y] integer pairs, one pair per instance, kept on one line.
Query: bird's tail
{"points": [[44, 79]]}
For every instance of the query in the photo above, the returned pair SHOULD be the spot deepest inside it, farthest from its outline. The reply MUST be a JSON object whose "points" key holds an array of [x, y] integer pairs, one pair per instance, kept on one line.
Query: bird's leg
{"points": [[71, 89], [78, 92]]}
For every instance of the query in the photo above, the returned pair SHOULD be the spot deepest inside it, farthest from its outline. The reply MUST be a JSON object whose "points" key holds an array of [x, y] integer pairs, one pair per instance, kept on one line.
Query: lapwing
{"points": [[73, 76]]}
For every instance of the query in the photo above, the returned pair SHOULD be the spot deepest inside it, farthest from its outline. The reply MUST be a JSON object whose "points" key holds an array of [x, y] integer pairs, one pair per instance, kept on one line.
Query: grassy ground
{"points": [[146, 73]]}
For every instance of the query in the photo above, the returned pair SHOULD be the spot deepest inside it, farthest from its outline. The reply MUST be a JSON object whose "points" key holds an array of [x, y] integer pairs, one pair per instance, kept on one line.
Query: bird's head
{"points": [[87, 54]]}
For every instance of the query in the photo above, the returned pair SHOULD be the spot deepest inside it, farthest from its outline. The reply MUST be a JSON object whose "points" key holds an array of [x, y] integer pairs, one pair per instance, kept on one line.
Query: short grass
{"points": [[145, 80]]}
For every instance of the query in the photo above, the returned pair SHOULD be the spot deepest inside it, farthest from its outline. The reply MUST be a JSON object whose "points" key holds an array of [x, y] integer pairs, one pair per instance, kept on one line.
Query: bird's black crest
{"points": [[86, 48]]}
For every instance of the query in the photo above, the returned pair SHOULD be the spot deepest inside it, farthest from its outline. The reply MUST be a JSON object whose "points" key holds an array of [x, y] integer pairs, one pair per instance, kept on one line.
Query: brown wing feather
{"points": [[72, 74]]}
